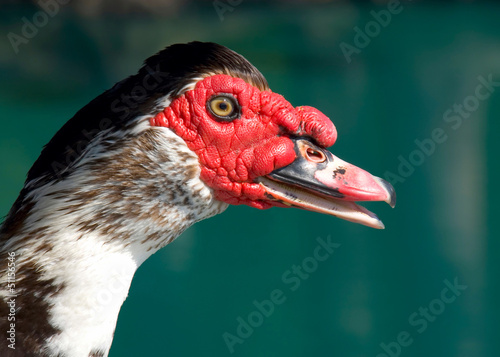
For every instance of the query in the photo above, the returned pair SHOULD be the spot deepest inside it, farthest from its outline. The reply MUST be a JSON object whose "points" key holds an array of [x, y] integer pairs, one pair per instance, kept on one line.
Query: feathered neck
{"points": [[106, 192], [78, 241]]}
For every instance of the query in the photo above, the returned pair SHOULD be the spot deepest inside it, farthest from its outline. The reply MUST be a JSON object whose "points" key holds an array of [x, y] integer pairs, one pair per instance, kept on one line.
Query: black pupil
{"points": [[223, 106]]}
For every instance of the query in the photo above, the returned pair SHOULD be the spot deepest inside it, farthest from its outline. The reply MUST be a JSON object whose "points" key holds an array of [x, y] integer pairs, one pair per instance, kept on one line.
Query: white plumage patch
{"points": [[88, 233]]}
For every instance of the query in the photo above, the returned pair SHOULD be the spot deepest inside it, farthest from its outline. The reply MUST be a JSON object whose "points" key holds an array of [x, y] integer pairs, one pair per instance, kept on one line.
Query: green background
{"points": [[395, 91]]}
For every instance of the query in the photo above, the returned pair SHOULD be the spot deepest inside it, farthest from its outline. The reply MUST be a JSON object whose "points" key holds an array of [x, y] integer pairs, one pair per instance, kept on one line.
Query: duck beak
{"points": [[321, 182]]}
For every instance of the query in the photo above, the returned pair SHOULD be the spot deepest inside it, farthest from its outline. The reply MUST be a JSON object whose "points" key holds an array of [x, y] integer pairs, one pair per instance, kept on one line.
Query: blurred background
{"points": [[414, 91]]}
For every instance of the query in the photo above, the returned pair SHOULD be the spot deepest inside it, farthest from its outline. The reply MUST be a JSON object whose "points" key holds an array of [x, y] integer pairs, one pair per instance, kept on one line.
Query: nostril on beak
{"points": [[315, 156]]}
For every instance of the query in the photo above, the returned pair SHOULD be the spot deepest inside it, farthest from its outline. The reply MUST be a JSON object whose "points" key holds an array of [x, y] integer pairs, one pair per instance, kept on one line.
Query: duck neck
{"points": [[77, 242]]}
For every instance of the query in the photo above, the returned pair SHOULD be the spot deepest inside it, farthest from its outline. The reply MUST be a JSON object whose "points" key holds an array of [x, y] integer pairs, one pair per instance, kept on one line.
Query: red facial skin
{"points": [[233, 154]]}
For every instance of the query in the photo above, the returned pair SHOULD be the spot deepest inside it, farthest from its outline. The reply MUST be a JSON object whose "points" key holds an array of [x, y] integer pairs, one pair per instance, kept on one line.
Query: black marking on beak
{"points": [[301, 171]]}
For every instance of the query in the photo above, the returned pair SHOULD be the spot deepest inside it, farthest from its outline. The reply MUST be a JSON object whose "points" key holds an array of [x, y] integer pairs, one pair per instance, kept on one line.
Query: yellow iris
{"points": [[222, 106]]}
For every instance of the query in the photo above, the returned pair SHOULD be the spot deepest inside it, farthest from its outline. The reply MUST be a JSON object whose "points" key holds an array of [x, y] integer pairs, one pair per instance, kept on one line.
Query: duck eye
{"points": [[224, 107]]}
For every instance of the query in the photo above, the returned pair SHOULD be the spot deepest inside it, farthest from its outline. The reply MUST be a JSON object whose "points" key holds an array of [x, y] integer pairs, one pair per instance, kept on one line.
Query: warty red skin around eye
{"points": [[233, 154]]}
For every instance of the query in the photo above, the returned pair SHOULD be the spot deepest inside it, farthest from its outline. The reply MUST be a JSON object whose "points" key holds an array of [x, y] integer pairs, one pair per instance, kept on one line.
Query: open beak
{"points": [[321, 182]]}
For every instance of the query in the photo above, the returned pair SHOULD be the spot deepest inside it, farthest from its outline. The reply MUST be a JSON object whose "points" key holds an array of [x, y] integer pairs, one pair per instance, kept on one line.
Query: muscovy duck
{"points": [[196, 129]]}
